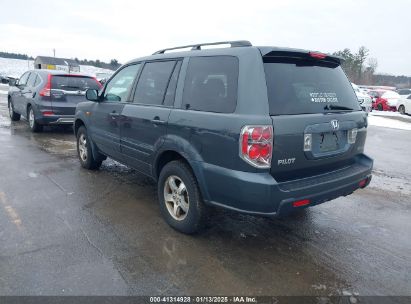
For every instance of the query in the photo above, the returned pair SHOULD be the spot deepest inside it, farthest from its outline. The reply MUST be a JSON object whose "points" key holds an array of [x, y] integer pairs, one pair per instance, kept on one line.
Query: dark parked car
{"points": [[47, 97], [259, 130]]}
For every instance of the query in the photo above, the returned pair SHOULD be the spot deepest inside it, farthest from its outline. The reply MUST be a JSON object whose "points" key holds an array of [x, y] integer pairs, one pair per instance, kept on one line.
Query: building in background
{"points": [[53, 63]]}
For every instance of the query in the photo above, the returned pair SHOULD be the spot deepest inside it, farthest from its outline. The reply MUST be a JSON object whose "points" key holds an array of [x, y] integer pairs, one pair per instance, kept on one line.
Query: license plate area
{"points": [[329, 141]]}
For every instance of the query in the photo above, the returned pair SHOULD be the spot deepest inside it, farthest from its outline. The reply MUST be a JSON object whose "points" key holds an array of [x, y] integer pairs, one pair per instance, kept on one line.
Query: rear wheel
{"points": [[401, 109], [379, 107], [84, 151], [34, 125], [13, 115], [179, 197]]}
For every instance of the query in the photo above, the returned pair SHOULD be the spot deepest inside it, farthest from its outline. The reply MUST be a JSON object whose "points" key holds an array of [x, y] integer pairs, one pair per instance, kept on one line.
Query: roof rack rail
{"points": [[194, 47]]}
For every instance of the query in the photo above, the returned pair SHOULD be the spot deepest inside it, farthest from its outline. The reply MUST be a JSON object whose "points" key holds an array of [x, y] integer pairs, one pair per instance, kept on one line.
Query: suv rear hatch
{"points": [[68, 90], [318, 124]]}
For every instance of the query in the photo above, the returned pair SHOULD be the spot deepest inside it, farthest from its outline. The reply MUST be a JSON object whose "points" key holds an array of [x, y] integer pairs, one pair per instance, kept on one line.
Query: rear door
{"points": [[106, 115], [314, 112], [145, 119], [68, 90], [28, 92]]}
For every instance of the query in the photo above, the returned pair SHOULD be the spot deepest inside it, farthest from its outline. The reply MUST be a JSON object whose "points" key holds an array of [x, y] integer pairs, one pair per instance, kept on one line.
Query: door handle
{"points": [[156, 120], [114, 115]]}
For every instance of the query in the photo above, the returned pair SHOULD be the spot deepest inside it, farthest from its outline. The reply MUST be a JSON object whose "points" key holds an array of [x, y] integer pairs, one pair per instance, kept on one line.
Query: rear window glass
{"points": [[211, 84], [73, 83], [297, 86], [153, 82]]}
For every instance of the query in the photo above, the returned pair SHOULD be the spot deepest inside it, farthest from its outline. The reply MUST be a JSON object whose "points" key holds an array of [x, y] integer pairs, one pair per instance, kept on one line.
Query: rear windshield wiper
{"points": [[335, 107]]}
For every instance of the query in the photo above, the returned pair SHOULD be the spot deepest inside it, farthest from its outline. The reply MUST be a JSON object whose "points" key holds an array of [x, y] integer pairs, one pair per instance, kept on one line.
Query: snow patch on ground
{"points": [[389, 114], [16, 67], [380, 121]]}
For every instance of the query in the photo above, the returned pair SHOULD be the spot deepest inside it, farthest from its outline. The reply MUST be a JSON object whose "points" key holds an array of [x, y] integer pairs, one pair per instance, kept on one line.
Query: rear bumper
{"points": [[56, 120], [261, 194]]}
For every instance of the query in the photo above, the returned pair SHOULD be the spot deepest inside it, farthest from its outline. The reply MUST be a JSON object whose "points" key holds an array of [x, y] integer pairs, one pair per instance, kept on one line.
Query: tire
{"points": [[33, 124], [379, 107], [401, 109], [13, 115], [84, 151], [190, 214]]}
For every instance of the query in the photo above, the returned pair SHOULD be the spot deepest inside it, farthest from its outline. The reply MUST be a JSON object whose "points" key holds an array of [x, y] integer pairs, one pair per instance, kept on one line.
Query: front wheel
{"points": [[13, 115], [179, 197], [34, 125], [84, 151], [401, 109]]}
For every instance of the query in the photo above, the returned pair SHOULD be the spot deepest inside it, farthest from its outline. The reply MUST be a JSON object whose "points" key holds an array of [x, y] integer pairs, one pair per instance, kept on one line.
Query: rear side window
{"points": [[32, 80], [211, 84], [298, 86], [153, 82], [73, 83], [38, 81]]}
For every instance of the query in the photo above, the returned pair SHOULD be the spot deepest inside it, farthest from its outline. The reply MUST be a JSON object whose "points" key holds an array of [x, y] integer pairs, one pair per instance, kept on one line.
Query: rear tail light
{"points": [[301, 203], [363, 183], [352, 136], [46, 91], [47, 113], [317, 55], [256, 145]]}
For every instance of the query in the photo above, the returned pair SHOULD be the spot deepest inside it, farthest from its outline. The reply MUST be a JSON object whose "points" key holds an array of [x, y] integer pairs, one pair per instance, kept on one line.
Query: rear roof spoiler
{"points": [[297, 53]]}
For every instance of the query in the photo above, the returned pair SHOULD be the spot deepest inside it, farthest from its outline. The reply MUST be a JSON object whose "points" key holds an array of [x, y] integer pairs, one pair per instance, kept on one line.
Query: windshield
{"points": [[297, 86], [73, 83]]}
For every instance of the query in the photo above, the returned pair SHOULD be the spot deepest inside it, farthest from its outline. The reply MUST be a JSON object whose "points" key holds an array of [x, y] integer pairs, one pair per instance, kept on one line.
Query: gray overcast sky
{"points": [[128, 29]]}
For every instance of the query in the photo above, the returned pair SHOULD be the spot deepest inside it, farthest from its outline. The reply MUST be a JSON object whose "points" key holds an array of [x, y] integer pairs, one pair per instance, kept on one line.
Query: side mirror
{"points": [[12, 82], [92, 95]]}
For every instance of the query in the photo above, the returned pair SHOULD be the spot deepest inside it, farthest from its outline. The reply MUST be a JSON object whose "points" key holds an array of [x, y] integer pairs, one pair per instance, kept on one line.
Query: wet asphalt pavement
{"points": [[68, 231]]}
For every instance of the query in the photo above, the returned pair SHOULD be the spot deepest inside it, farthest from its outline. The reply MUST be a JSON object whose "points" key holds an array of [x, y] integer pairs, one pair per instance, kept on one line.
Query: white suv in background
{"points": [[364, 99], [404, 104]]}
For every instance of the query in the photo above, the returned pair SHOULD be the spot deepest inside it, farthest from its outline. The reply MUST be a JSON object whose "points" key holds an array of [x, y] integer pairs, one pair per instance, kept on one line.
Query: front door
{"points": [[18, 98], [145, 119], [106, 115]]}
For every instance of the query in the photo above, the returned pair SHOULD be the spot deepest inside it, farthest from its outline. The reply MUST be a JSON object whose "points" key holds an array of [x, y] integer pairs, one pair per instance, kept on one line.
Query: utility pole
{"points": [[54, 52]]}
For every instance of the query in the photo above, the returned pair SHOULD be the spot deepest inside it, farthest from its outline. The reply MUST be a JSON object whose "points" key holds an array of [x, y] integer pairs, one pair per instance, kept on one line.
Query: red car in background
{"points": [[384, 100]]}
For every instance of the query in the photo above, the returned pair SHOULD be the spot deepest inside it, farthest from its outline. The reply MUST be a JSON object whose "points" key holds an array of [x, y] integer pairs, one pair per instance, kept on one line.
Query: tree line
{"points": [[361, 69], [112, 65]]}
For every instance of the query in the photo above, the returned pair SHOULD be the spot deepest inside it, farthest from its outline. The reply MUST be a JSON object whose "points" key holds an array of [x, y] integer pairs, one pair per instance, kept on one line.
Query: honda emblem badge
{"points": [[334, 124]]}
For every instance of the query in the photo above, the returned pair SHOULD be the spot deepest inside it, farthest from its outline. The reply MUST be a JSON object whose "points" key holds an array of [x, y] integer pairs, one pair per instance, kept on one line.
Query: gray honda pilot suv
{"points": [[259, 130]]}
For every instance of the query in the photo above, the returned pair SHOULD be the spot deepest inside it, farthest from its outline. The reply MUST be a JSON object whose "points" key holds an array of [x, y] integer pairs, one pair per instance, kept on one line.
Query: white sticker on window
{"points": [[323, 97]]}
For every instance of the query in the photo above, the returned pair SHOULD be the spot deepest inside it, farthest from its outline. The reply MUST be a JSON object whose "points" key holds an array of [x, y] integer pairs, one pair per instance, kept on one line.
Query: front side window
{"points": [[119, 87], [211, 84], [153, 82], [23, 79]]}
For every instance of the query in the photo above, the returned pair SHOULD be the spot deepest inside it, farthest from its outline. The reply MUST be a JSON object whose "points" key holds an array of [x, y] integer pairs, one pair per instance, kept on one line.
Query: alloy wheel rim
{"points": [[176, 197], [31, 118], [82, 147]]}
